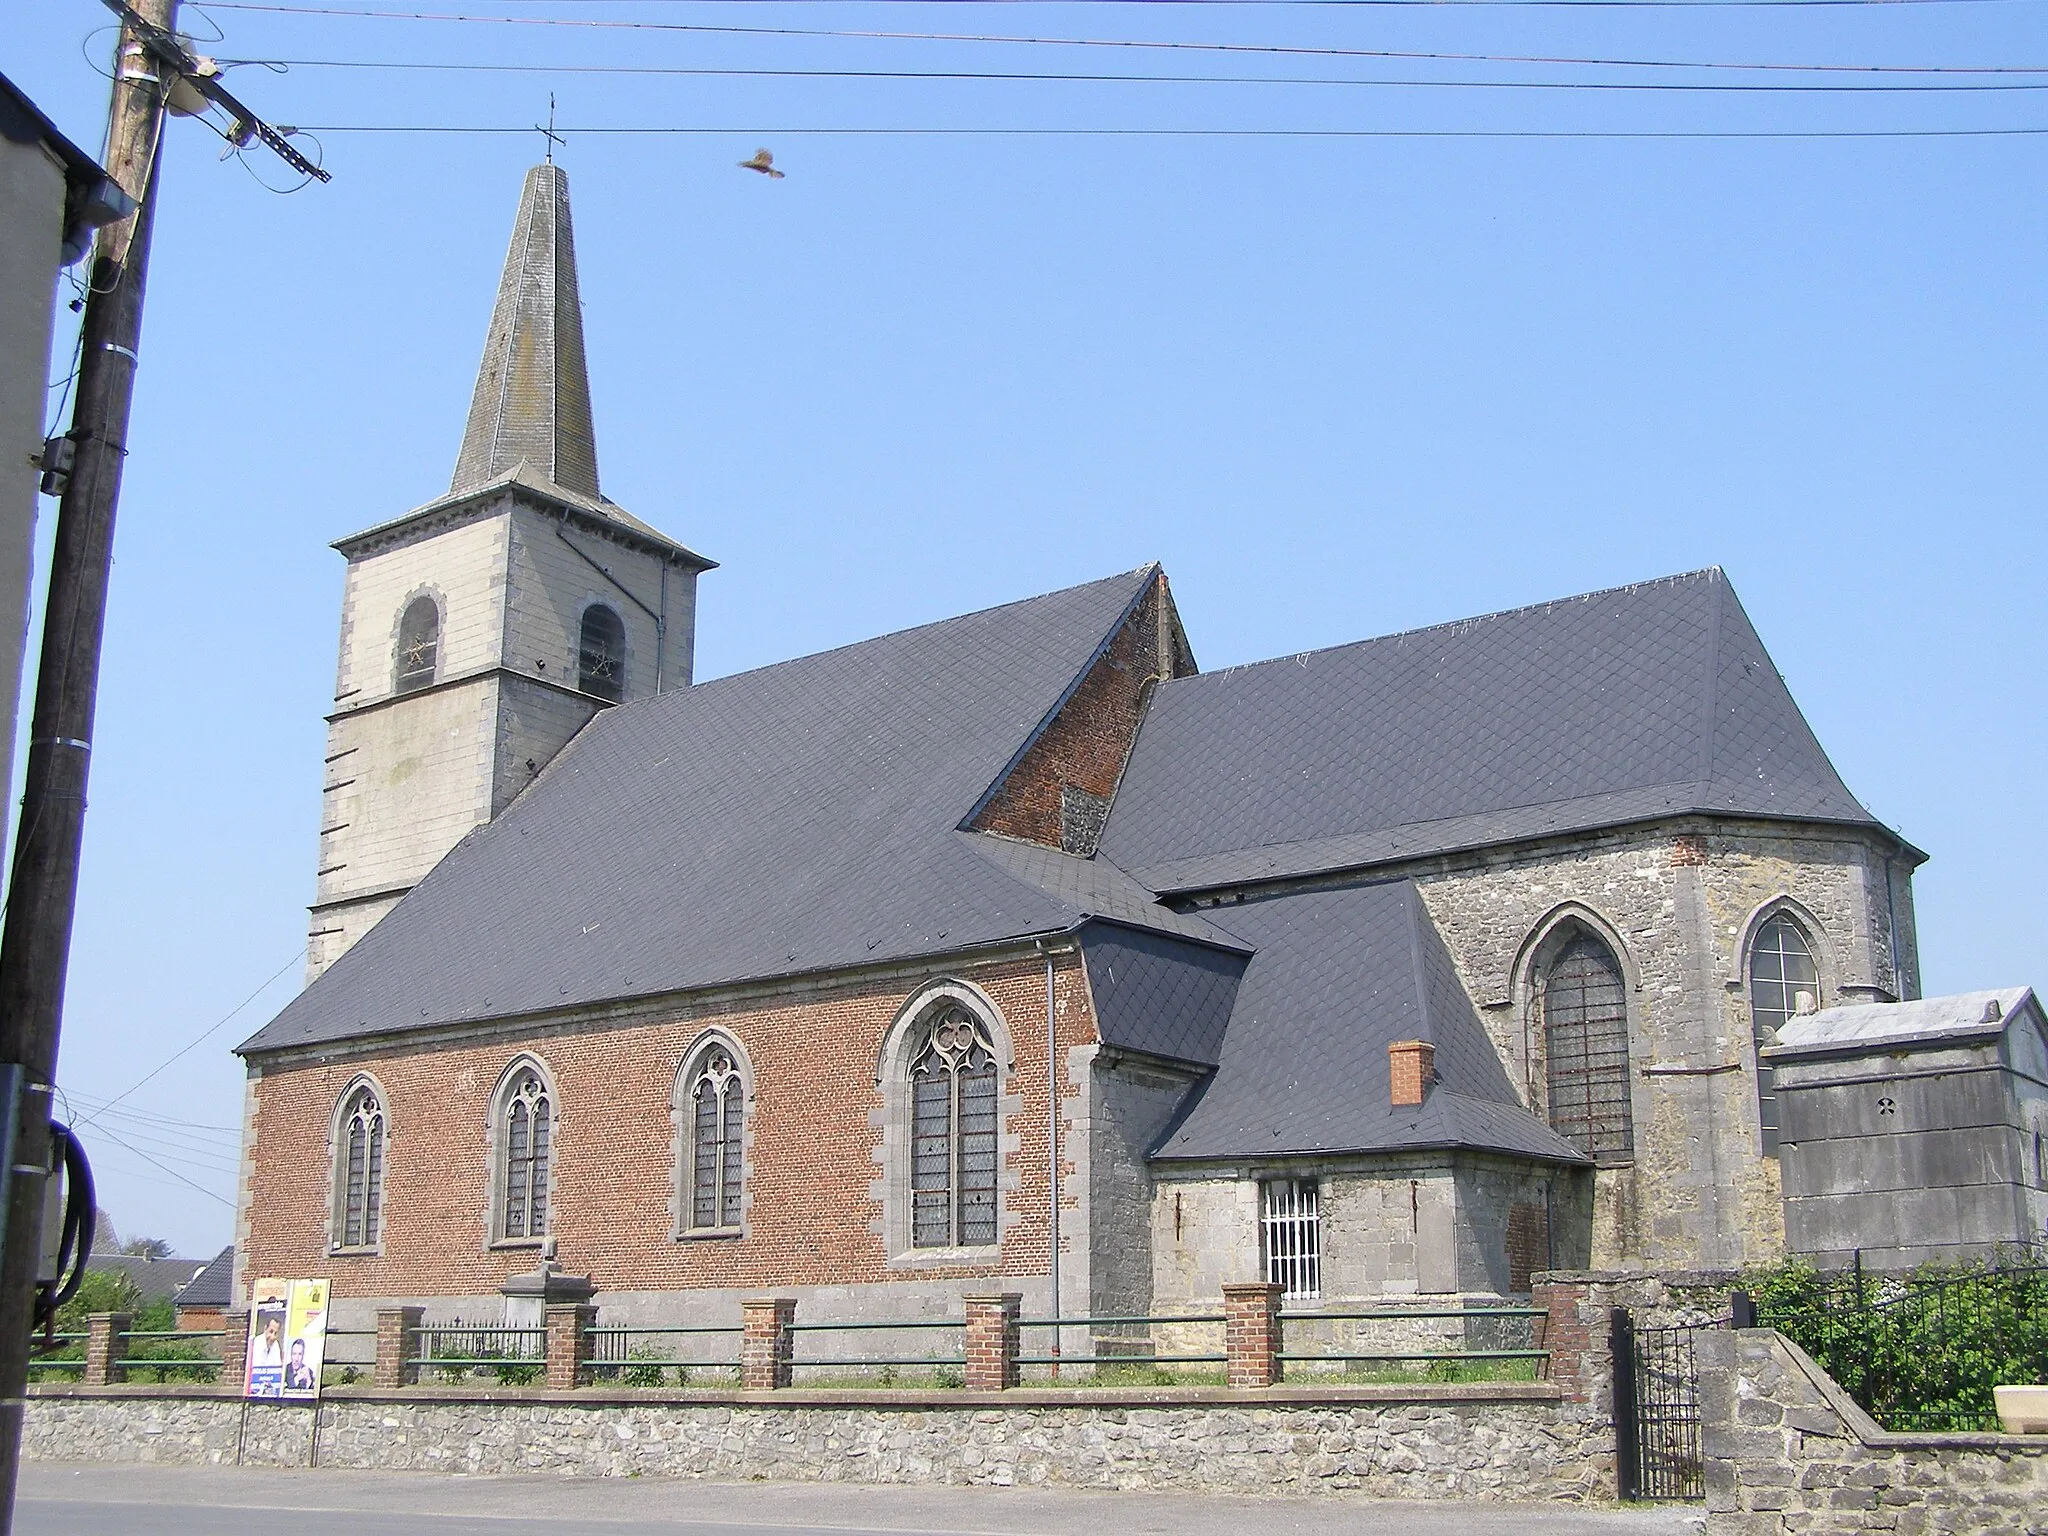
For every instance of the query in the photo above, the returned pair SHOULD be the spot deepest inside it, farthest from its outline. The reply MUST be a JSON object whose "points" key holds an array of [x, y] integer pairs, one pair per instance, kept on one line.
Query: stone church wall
{"points": [[1679, 904], [814, 1129]]}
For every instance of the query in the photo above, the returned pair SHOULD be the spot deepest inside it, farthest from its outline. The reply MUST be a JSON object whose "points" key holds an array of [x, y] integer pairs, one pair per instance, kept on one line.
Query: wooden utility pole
{"points": [[36, 947]]}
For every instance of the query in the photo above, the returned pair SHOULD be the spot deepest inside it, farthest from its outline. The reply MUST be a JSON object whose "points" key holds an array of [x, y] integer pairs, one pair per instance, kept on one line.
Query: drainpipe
{"points": [[1052, 1118]]}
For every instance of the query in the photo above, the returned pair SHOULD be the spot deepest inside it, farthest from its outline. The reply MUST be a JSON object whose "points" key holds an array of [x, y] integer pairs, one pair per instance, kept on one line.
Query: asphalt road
{"points": [[58, 1499]]}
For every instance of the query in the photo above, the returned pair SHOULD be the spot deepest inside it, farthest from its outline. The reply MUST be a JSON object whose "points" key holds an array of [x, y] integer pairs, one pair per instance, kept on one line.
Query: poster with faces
{"points": [[287, 1339]]}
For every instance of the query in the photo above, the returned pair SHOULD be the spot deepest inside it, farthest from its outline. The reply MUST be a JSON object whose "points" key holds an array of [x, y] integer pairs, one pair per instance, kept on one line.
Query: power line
{"points": [[1212, 133], [1287, 50], [1055, 76], [1633, 5], [191, 1183]]}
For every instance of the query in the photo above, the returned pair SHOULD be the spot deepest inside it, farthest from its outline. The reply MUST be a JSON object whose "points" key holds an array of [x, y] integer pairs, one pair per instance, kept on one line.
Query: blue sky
{"points": [[1339, 385]]}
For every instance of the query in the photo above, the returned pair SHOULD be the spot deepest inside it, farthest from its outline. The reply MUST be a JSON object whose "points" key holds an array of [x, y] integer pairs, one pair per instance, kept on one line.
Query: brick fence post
{"points": [[106, 1340], [992, 1341], [767, 1347], [1251, 1333], [569, 1343], [234, 1351], [1573, 1328], [396, 1327]]}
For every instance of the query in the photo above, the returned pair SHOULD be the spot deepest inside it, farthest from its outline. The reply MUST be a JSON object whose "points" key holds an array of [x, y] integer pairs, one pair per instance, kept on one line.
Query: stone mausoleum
{"points": [[1014, 949]]}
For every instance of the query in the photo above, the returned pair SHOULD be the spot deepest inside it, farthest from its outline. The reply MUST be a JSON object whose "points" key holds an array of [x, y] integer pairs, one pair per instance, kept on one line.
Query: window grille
{"points": [[601, 654], [1585, 1036], [1291, 1215], [1780, 968], [528, 1134], [953, 1134], [718, 1105], [362, 1178], [419, 644]]}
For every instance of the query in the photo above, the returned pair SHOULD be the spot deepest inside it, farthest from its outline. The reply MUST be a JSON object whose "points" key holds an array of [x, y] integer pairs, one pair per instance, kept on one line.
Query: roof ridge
{"points": [[1705, 572]]}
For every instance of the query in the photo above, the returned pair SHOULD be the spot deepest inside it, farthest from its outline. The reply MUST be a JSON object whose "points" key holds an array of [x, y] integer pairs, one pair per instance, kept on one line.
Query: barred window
{"points": [[1290, 1213], [1585, 1037], [1781, 971], [601, 654], [528, 1127], [361, 1166], [419, 644], [717, 1108], [953, 1134]]}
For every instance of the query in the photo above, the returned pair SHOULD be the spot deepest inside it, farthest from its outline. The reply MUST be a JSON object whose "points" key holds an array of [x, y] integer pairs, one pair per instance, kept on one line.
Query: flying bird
{"points": [[762, 162]]}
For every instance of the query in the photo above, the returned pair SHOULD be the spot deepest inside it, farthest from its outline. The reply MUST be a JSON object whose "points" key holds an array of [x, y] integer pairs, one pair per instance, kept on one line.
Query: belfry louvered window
{"points": [[528, 1129], [717, 1109], [1585, 1036], [601, 654], [1782, 979], [419, 644], [953, 1134], [1291, 1225], [361, 1158]]}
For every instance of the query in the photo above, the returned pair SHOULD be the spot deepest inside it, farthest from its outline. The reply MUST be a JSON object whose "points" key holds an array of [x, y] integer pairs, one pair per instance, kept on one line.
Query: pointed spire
{"points": [[532, 400]]}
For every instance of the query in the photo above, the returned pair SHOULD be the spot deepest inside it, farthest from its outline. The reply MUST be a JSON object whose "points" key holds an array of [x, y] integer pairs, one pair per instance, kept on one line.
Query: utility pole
{"points": [[36, 947]]}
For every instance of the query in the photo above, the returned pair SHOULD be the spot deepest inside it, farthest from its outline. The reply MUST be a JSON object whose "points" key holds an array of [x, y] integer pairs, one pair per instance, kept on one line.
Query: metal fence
{"points": [[1442, 1343], [1922, 1351], [457, 1351], [659, 1357], [1656, 1411]]}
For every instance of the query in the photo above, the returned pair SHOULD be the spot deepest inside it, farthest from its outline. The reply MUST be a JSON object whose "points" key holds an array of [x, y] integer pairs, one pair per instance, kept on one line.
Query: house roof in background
{"points": [[1337, 977], [795, 819], [213, 1286], [1617, 706], [155, 1279]]}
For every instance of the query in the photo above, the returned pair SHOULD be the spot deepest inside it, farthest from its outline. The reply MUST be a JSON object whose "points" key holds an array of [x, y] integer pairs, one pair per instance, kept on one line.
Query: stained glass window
{"points": [[717, 1111], [362, 1170], [953, 1134], [1781, 974], [1585, 1035], [528, 1130]]}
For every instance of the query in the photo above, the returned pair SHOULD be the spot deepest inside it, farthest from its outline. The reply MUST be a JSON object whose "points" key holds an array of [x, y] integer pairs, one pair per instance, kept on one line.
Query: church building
{"points": [[1014, 949]]}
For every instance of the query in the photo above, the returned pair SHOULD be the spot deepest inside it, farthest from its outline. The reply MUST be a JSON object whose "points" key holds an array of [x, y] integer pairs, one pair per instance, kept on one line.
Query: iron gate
{"points": [[1656, 1412]]}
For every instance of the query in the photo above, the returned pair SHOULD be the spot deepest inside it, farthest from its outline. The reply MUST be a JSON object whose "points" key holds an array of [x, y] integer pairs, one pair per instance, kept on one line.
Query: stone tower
{"points": [[481, 631]]}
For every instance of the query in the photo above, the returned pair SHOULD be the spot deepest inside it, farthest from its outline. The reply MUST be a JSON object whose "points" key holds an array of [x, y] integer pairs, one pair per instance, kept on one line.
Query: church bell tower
{"points": [[483, 630]]}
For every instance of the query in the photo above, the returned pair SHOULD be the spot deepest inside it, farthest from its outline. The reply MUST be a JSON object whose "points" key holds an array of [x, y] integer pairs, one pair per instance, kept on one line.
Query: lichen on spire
{"points": [[532, 400]]}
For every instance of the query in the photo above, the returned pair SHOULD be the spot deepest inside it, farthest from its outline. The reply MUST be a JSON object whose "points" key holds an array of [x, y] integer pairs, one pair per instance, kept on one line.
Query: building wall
{"points": [[816, 1124], [1679, 902], [31, 240], [1128, 1106]]}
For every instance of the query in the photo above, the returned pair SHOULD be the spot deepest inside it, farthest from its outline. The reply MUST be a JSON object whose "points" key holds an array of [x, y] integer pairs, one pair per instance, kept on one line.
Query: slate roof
{"points": [[1337, 977], [1160, 995], [795, 819], [214, 1285], [1884, 1027], [155, 1279], [1617, 706]]}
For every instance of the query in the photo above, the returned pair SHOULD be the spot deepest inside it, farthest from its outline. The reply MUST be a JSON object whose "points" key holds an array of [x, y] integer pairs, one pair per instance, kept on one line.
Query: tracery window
{"points": [[953, 1133], [527, 1127], [716, 1106], [359, 1158], [601, 654], [1585, 1036], [1290, 1216], [419, 644], [1782, 973]]}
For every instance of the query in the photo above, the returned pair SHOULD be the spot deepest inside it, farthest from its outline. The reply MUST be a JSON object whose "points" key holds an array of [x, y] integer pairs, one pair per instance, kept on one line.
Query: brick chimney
{"points": [[1411, 1064]]}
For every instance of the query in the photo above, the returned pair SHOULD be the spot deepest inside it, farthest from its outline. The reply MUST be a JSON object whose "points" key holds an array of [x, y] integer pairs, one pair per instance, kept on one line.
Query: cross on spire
{"points": [[548, 133]]}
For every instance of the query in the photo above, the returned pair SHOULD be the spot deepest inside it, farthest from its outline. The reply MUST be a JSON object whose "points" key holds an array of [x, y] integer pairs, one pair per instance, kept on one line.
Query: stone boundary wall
{"points": [[1518, 1441], [1788, 1450]]}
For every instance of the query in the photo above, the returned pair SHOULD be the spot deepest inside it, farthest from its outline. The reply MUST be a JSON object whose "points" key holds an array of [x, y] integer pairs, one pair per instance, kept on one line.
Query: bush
{"points": [[1920, 1351]]}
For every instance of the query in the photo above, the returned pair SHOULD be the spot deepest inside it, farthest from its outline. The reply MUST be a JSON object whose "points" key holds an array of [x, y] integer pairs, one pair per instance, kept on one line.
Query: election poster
{"points": [[287, 1339]]}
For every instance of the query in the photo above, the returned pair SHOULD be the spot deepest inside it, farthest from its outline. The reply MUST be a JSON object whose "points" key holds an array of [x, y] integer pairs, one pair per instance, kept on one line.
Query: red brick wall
{"points": [[1088, 740], [811, 1156]]}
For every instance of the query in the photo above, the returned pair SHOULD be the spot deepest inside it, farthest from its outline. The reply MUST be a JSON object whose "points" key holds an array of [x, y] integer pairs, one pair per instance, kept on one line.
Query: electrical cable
{"points": [[190, 1183], [74, 1245], [270, 6], [1222, 133]]}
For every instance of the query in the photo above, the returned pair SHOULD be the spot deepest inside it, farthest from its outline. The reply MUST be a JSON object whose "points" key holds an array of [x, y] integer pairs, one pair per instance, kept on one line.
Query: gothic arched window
{"points": [[359, 1169], [1782, 980], [953, 1132], [419, 644], [1585, 1039], [601, 654], [526, 1146], [714, 1105]]}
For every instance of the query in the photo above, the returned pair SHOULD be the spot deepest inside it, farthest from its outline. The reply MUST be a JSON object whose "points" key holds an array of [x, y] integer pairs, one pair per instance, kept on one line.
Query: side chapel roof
{"points": [[1643, 701], [794, 819]]}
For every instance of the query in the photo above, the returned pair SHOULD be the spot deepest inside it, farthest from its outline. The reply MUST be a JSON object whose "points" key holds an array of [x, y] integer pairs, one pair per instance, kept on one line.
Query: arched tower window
{"points": [[601, 654], [1783, 980], [419, 644], [714, 1104], [1585, 1038], [359, 1169], [953, 1132], [526, 1148]]}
